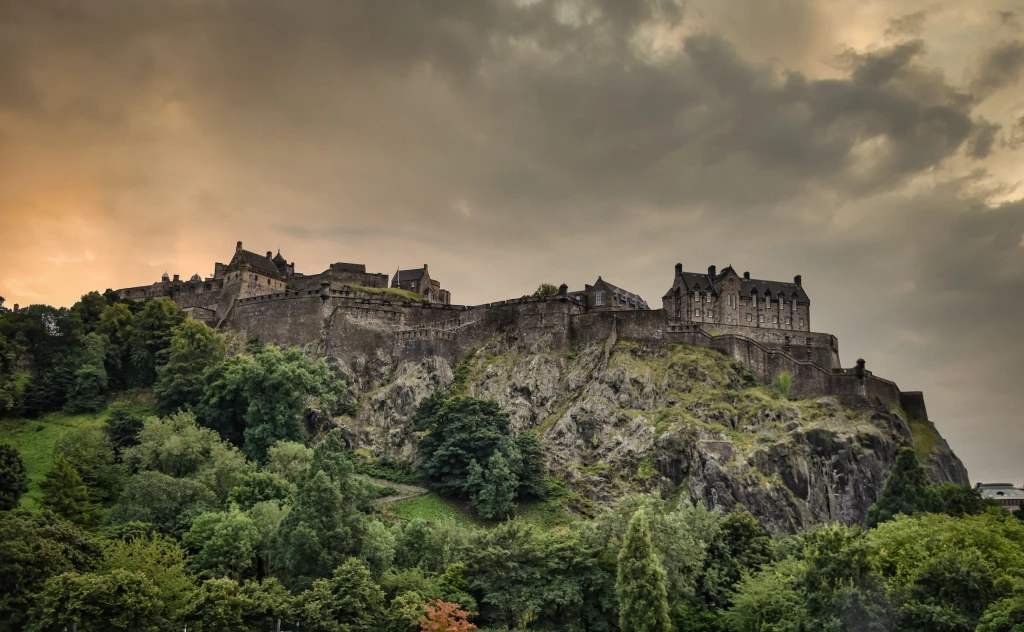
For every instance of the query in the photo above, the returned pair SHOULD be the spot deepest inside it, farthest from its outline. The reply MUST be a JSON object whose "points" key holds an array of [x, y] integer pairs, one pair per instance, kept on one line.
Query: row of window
{"points": [[733, 300]]}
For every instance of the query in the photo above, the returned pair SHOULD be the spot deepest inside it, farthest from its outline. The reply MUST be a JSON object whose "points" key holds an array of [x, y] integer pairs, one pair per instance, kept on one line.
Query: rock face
{"points": [[683, 421]]}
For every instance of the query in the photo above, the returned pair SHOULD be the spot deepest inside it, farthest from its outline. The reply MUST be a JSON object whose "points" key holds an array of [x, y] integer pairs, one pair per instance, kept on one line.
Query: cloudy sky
{"points": [[874, 146]]}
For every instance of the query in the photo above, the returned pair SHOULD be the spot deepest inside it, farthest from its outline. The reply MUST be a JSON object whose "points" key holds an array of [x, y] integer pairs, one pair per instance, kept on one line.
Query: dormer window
{"points": [[598, 299]]}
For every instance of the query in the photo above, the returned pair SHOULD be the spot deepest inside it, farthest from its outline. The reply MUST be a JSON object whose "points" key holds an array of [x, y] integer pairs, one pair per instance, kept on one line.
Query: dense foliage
{"points": [[226, 512]]}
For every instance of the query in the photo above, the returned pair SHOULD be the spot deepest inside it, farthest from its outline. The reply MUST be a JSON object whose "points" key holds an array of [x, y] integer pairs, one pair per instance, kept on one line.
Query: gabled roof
{"points": [[410, 275], [614, 289], [259, 263], [702, 282]]}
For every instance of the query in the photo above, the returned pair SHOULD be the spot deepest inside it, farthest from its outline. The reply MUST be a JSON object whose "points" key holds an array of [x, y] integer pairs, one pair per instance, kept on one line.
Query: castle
{"points": [[346, 313]]}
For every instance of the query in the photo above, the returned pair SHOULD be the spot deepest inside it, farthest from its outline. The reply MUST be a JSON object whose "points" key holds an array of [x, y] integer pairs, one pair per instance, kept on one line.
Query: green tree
{"points": [[159, 559], [66, 495], [906, 490], [640, 583], [288, 459], [152, 330], [194, 349], [35, 546], [13, 477], [122, 427], [177, 446], [169, 504], [223, 605], [118, 600], [347, 602], [117, 324], [224, 544], [533, 465], [256, 487], [225, 399], [89, 390], [1004, 615], [545, 289], [955, 500], [90, 453], [494, 490]]}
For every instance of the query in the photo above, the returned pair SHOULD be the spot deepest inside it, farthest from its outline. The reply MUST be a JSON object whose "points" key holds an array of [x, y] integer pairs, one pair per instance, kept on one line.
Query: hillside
{"points": [[687, 422]]}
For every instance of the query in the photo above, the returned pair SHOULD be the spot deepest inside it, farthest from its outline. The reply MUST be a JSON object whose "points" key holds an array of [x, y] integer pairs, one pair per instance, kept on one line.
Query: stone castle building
{"points": [[249, 274], [726, 298], [349, 314]]}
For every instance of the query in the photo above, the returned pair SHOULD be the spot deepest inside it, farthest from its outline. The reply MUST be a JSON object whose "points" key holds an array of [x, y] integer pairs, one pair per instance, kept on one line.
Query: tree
{"points": [[1004, 615], [117, 324], [89, 389], [194, 349], [66, 495], [288, 459], [223, 605], [159, 559], [224, 544], [545, 289], [442, 616], [256, 487], [118, 600], [347, 602], [225, 399], [13, 477], [175, 445], [906, 490], [35, 546], [170, 504], [90, 453], [534, 466], [151, 337], [122, 427], [640, 583], [494, 490]]}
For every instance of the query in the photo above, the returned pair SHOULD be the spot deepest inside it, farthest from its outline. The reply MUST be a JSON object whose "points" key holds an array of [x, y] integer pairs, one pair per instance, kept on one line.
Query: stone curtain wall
{"points": [[342, 324]]}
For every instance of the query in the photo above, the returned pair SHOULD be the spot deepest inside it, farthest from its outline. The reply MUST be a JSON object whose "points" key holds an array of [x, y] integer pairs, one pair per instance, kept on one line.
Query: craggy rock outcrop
{"points": [[683, 421]]}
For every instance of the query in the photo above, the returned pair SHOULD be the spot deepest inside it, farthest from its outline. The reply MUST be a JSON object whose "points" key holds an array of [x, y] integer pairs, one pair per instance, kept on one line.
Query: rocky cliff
{"points": [[687, 422]]}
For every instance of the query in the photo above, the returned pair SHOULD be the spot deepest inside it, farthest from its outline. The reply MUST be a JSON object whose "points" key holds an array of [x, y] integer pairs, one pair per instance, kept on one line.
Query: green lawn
{"points": [[432, 508], [35, 438]]}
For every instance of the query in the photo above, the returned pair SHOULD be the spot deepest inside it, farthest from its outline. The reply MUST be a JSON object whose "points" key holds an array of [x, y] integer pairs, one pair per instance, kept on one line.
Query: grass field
{"points": [[35, 438], [432, 508]]}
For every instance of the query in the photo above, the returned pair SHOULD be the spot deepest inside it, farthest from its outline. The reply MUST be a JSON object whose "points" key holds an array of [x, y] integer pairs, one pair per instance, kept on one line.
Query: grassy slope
{"points": [[35, 438], [389, 291]]}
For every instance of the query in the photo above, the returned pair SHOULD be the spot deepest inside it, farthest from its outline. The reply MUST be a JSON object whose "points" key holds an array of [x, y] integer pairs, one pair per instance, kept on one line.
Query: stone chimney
{"points": [[270, 255], [238, 247], [424, 267], [711, 271], [798, 280], [679, 269], [177, 279], [563, 290], [746, 276]]}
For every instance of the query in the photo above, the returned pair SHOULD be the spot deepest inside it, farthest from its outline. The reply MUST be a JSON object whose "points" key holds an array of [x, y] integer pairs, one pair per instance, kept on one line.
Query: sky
{"points": [[874, 147]]}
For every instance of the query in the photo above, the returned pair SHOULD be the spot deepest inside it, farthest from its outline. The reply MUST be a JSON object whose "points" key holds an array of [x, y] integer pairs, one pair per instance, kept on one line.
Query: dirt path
{"points": [[405, 491]]}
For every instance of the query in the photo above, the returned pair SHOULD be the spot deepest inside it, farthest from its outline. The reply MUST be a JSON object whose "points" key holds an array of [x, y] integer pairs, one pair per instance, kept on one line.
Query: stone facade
{"points": [[726, 298], [337, 315]]}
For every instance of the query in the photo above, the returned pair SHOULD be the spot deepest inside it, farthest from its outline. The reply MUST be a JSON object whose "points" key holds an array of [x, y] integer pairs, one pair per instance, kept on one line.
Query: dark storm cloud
{"points": [[1001, 66], [514, 142]]}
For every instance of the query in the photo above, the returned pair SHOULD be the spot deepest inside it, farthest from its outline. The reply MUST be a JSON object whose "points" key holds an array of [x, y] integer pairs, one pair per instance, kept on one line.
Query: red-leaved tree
{"points": [[443, 616]]}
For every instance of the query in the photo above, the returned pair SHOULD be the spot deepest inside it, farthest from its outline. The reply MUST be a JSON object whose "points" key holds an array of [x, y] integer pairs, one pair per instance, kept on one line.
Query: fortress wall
{"points": [[821, 349], [337, 278], [913, 404], [767, 364], [285, 319]]}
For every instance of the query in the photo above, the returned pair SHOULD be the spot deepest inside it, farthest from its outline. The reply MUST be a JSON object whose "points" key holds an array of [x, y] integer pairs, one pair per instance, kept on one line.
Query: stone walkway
{"points": [[404, 491]]}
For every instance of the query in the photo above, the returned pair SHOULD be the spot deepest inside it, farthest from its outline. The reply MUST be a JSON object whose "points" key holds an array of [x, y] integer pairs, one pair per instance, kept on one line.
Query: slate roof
{"points": [[702, 282], [409, 275], [614, 289], [1001, 491], [259, 263]]}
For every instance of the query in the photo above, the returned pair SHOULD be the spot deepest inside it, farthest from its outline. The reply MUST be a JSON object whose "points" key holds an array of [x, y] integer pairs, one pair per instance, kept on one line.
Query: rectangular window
{"points": [[711, 313], [697, 313], [775, 319], [709, 297], [696, 297], [801, 322], [787, 320], [749, 317], [760, 318], [598, 299]]}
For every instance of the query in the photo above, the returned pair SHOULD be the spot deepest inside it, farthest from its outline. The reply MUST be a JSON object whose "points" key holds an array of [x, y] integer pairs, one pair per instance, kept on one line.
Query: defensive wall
{"points": [[346, 324]]}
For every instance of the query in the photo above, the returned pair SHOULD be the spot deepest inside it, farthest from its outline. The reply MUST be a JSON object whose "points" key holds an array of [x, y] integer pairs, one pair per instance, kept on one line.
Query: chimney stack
{"points": [[563, 290], [746, 276], [176, 278], [798, 280], [424, 267], [238, 247], [679, 269], [270, 255], [16, 308], [711, 271]]}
